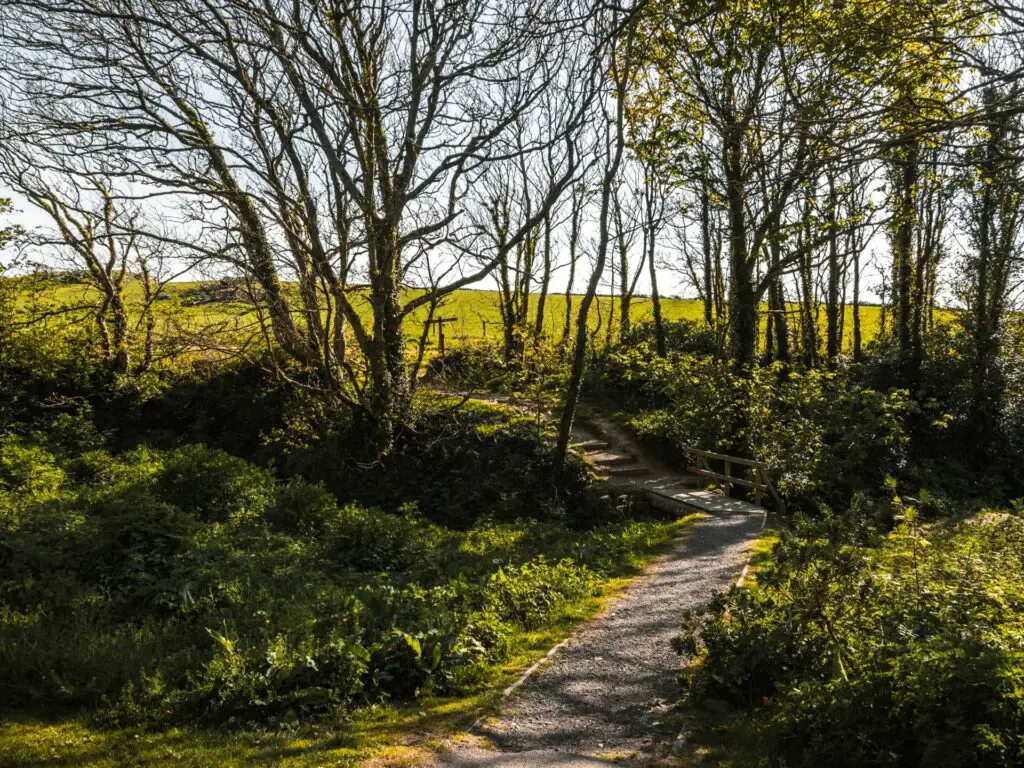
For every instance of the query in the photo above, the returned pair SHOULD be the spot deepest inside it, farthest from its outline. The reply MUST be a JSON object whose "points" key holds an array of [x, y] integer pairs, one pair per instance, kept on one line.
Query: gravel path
{"points": [[606, 694]]}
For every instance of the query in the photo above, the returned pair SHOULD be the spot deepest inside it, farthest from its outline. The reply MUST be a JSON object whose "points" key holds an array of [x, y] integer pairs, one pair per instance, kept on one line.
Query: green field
{"points": [[473, 307], [476, 313]]}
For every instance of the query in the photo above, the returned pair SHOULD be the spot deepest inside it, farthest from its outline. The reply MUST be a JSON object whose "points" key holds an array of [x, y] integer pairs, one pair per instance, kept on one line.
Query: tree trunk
{"points": [[857, 340], [833, 308], [121, 358], [387, 398], [905, 217], [710, 287], [743, 321], [575, 224], [808, 326], [545, 283], [659, 325], [150, 320], [625, 292], [567, 327], [777, 305]]}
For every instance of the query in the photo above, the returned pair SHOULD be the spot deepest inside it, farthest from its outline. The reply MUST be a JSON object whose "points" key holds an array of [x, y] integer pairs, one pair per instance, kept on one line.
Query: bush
{"points": [[684, 336], [128, 542], [528, 594], [479, 461], [472, 365], [27, 472], [822, 433], [213, 484], [907, 653], [373, 541], [301, 508], [190, 585]]}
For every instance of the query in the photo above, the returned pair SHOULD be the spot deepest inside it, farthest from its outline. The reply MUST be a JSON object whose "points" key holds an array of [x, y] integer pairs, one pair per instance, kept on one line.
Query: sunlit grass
{"points": [[476, 313], [382, 734]]}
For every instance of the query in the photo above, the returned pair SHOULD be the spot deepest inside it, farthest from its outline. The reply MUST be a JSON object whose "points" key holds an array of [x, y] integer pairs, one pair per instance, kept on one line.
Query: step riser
{"points": [[669, 505], [591, 445], [614, 461], [701, 501], [628, 471]]}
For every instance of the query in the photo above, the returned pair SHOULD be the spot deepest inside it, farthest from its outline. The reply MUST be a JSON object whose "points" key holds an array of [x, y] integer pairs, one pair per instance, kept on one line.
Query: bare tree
{"points": [[578, 201], [655, 201], [620, 37], [626, 215], [107, 239], [340, 145]]}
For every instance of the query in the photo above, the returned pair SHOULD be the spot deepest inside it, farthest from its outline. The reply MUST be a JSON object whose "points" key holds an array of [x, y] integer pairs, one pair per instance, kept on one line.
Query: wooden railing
{"points": [[759, 481]]}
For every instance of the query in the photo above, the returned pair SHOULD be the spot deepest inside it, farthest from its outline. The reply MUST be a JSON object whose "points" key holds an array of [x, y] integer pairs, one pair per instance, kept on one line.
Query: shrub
{"points": [[373, 541], [213, 484], [129, 541], [472, 365], [908, 653], [301, 508], [277, 678], [103, 471], [28, 472], [685, 336], [528, 594], [459, 466], [822, 433]]}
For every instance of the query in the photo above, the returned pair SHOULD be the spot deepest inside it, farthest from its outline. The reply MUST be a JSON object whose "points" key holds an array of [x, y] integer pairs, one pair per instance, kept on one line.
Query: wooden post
{"points": [[440, 331]]}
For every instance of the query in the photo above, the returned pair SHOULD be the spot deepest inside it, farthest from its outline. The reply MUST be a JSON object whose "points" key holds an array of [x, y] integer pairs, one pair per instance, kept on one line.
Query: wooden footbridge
{"points": [[707, 484]]}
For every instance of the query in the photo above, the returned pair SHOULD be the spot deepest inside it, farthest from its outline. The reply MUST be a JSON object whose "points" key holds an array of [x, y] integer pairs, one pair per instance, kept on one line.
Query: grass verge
{"points": [[374, 735]]}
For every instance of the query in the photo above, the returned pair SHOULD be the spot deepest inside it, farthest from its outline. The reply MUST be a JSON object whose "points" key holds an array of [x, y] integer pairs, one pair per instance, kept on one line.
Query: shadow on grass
{"points": [[387, 735]]}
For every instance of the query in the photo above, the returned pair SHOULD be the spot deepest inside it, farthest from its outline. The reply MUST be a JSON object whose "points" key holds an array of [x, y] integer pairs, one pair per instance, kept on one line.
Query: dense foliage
{"points": [[868, 649], [191, 584], [440, 461], [822, 433]]}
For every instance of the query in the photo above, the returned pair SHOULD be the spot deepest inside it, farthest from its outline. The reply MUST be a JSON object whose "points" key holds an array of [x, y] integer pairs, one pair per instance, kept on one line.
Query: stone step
{"points": [[591, 445], [630, 470], [703, 501], [674, 483], [611, 459]]}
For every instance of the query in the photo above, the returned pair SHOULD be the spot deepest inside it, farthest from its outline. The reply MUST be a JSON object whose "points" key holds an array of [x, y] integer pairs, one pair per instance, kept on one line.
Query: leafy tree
{"points": [[995, 219], [760, 100]]}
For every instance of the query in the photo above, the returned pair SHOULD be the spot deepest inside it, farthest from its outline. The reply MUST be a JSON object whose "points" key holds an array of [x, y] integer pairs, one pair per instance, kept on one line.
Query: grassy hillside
{"points": [[476, 312]]}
